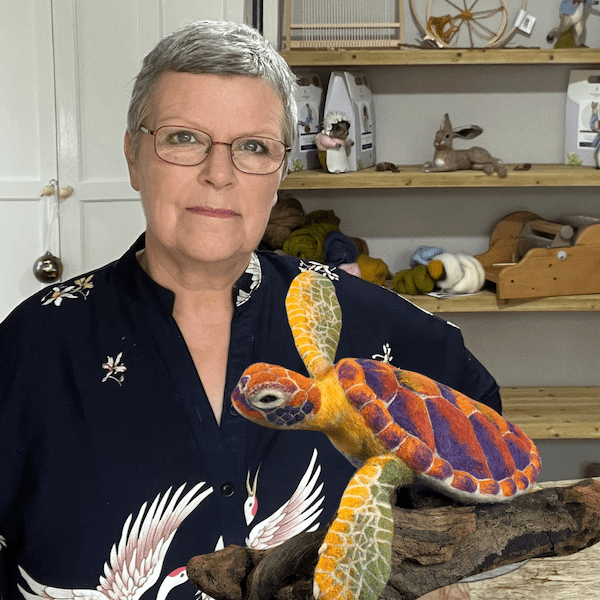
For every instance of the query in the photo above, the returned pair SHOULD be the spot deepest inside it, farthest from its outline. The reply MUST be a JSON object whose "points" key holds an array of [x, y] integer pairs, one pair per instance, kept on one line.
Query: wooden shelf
{"points": [[488, 302], [543, 413], [554, 412], [411, 176], [397, 57]]}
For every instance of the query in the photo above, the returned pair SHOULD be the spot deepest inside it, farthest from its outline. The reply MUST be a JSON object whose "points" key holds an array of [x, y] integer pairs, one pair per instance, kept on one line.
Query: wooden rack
{"points": [[542, 412], [554, 412], [411, 176], [398, 57], [488, 302]]}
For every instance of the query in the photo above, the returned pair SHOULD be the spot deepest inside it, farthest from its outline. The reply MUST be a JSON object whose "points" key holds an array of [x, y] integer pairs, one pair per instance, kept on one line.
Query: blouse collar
{"points": [[243, 288]]}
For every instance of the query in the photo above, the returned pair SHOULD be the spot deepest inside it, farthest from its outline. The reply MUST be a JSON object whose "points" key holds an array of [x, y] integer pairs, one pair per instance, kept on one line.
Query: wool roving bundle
{"points": [[286, 216], [372, 269], [339, 249], [309, 242]]}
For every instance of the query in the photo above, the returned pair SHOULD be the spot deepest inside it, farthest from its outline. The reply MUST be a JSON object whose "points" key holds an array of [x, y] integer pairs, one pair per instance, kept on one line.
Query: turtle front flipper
{"points": [[315, 317], [356, 555]]}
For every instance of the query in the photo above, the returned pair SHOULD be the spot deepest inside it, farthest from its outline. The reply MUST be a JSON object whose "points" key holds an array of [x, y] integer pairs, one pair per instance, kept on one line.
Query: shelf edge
{"points": [[444, 56]]}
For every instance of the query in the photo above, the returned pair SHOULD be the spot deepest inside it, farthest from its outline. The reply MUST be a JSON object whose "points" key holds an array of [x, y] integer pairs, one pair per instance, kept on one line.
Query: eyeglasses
{"points": [[189, 147]]}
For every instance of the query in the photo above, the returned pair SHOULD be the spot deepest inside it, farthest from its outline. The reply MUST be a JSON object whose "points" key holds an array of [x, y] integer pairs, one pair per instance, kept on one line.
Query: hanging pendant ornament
{"points": [[48, 268]]}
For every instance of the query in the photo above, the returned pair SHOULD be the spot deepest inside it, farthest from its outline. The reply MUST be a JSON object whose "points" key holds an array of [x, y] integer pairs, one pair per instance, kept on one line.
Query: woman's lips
{"points": [[217, 213]]}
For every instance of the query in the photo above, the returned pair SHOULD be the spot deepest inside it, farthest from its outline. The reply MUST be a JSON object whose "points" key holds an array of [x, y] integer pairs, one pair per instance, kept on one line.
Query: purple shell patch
{"points": [[500, 463], [454, 439]]}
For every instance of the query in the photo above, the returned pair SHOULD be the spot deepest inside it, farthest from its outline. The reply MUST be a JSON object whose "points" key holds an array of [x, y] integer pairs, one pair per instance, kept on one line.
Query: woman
{"points": [[116, 428]]}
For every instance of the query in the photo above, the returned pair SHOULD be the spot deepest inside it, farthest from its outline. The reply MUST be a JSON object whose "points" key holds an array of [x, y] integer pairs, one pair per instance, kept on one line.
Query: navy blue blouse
{"points": [[113, 470]]}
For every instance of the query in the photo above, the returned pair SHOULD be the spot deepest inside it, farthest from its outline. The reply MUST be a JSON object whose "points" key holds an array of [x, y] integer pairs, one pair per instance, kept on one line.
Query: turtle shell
{"points": [[460, 446]]}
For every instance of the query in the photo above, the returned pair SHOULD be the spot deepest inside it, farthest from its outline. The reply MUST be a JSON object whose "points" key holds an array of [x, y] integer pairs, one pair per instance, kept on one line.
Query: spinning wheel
{"points": [[465, 23]]}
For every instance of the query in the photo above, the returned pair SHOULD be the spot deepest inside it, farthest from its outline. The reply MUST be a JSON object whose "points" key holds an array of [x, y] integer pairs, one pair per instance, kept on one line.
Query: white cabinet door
{"points": [[99, 47], [28, 144], [66, 73]]}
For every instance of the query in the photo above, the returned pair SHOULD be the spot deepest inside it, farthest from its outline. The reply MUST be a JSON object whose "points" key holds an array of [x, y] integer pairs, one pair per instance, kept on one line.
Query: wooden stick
{"points": [[437, 542]]}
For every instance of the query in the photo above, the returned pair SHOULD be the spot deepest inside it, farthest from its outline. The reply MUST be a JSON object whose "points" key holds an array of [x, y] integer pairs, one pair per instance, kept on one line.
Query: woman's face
{"points": [[210, 212]]}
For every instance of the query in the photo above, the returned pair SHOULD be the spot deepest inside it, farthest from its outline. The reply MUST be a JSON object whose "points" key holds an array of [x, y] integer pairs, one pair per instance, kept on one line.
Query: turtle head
{"points": [[276, 397]]}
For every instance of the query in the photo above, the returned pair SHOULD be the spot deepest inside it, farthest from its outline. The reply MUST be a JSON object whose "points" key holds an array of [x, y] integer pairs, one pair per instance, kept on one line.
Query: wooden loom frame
{"points": [[343, 43]]}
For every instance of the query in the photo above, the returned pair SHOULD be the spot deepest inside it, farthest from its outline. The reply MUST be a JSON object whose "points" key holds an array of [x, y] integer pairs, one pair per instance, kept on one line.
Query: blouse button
{"points": [[232, 411], [227, 489]]}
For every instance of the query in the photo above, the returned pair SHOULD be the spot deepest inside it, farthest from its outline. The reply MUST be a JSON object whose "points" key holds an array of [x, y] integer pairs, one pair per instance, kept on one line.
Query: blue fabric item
{"points": [[339, 249], [568, 7], [424, 254], [102, 412]]}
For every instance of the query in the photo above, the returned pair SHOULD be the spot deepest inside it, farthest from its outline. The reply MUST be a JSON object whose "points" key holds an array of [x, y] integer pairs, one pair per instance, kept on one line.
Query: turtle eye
{"points": [[269, 399]]}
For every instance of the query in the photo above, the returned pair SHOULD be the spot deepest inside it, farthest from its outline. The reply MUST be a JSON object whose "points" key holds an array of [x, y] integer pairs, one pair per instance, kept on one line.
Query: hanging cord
{"points": [[51, 198]]}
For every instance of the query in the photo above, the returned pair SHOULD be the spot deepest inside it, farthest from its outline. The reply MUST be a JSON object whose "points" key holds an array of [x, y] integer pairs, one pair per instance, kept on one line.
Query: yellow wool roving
{"points": [[372, 269]]}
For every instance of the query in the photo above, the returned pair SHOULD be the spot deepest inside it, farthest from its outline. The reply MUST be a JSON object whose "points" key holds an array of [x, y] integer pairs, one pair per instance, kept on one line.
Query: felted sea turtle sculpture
{"points": [[395, 425]]}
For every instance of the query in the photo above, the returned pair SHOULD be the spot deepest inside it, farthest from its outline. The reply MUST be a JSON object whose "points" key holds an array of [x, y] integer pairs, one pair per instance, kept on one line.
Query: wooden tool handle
{"points": [[564, 231]]}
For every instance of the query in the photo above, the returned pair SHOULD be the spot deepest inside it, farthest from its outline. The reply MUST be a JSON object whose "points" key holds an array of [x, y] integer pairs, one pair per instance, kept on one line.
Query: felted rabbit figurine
{"points": [[448, 159]]}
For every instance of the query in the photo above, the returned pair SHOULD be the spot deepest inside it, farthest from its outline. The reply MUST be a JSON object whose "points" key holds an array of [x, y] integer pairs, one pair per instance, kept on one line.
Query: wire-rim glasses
{"points": [[189, 147]]}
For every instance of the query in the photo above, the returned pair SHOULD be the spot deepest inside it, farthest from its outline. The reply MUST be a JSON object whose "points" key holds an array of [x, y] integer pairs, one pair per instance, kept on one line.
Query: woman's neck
{"points": [[188, 279], [203, 310]]}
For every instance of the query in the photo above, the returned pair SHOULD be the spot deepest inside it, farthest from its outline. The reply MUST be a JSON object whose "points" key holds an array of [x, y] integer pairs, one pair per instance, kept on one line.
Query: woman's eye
{"points": [[253, 146], [182, 137]]}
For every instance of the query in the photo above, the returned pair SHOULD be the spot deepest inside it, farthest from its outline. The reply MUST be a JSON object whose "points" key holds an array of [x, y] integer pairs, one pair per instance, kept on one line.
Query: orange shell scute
{"points": [[508, 487], [489, 486]]}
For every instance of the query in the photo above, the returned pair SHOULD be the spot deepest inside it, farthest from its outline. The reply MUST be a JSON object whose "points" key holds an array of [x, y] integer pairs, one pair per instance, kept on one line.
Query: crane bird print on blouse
{"points": [[136, 561], [395, 425]]}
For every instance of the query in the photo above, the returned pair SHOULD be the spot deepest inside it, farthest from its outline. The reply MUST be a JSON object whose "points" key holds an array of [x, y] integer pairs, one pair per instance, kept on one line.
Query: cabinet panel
{"points": [[97, 56], [109, 229], [28, 155], [99, 50], [27, 160], [177, 13], [21, 234]]}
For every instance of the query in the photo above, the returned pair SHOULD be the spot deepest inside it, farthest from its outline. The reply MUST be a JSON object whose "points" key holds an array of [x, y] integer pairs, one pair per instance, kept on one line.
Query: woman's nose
{"points": [[218, 169]]}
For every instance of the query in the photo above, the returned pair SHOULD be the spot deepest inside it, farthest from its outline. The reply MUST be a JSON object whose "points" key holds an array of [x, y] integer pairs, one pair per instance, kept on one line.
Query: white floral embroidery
{"points": [[386, 357], [80, 287], [2, 542], [318, 267], [114, 368], [255, 271]]}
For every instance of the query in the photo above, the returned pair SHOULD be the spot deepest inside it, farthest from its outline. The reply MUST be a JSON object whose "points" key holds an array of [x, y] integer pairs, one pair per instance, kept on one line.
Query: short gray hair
{"points": [[217, 48]]}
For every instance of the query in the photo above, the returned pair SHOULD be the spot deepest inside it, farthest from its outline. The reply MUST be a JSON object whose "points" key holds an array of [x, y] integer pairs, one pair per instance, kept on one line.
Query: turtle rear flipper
{"points": [[356, 555]]}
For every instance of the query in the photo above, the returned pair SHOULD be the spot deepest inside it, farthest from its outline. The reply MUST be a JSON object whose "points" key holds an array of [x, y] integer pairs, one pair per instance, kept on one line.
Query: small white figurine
{"points": [[335, 143], [572, 14]]}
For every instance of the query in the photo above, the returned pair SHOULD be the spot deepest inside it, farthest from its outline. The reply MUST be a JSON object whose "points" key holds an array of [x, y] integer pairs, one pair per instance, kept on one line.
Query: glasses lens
{"points": [[182, 145], [257, 155]]}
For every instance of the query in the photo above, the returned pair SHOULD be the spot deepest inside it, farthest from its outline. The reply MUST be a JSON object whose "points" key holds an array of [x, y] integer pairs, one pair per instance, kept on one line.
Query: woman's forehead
{"points": [[207, 97]]}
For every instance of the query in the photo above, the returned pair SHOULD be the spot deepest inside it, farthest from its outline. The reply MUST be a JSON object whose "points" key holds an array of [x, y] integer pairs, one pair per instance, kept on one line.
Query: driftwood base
{"points": [[437, 542]]}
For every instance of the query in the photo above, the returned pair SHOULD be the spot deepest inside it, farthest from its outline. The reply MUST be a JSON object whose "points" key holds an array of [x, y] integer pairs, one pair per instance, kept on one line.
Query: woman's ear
{"points": [[131, 163]]}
